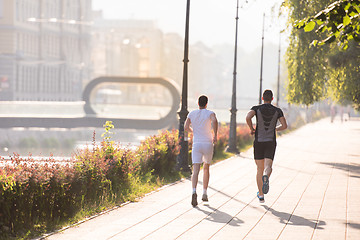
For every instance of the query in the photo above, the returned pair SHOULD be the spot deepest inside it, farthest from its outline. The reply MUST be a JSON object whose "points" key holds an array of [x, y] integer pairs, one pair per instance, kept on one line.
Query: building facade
{"points": [[44, 49], [128, 48]]}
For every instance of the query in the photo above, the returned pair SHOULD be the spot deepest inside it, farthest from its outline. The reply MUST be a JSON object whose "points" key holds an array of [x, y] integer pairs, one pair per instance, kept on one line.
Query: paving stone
{"points": [[314, 194]]}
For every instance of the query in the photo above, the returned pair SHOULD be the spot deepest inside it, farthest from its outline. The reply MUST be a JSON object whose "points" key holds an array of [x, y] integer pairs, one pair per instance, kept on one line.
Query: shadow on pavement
{"points": [[291, 219], [353, 168], [231, 197], [215, 215], [354, 225]]}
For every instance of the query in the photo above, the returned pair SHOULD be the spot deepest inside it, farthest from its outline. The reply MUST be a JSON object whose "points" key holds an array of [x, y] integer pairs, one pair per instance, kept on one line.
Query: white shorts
{"points": [[202, 152]]}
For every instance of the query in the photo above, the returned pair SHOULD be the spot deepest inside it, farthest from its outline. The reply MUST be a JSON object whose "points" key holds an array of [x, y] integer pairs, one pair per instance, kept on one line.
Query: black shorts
{"points": [[264, 150]]}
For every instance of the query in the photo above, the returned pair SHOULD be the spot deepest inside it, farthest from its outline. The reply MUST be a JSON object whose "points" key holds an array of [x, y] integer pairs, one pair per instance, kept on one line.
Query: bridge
{"points": [[93, 118]]}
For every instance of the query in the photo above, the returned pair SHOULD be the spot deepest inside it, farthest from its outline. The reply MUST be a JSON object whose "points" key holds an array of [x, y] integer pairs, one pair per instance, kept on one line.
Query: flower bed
{"points": [[38, 196]]}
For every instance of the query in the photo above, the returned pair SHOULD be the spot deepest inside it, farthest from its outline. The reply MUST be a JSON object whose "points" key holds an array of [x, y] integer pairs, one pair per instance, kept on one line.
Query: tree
{"points": [[306, 67], [344, 80], [341, 20], [325, 70]]}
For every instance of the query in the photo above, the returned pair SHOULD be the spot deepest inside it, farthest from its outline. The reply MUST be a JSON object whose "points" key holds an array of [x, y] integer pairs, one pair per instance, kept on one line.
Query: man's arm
{"points": [[214, 123], [283, 125], [249, 117], [187, 125]]}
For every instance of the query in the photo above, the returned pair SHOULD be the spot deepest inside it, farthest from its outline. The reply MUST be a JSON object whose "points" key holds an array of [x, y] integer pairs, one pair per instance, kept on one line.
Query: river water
{"points": [[61, 142]]}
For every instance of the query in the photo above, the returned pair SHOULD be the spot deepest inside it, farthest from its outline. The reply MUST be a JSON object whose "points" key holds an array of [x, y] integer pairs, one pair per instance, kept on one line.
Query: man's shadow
{"points": [[354, 225], [291, 219], [215, 215]]}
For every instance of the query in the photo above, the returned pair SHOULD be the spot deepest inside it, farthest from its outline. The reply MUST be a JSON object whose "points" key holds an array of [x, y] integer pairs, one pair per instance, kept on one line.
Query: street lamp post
{"points": [[278, 78], [262, 58], [232, 133], [182, 159]]}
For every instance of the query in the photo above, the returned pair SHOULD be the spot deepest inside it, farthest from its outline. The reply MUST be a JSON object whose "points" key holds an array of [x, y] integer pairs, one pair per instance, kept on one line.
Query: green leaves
{"points": [[340, 20], [314, 72], [309, 26], [346, 20], [299, 24], [107, 127]]}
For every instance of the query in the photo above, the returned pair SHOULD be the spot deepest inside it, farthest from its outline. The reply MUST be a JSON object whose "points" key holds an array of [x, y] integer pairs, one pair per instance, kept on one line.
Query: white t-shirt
{"points": [[201, 125]]}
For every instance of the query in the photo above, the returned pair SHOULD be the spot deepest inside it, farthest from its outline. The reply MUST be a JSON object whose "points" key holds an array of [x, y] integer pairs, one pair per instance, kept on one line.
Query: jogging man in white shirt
{"points": [[202, 123]]}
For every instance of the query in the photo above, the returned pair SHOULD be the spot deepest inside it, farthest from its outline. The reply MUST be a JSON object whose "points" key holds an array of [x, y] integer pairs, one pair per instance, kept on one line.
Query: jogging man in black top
{"points": [[267, 116]]}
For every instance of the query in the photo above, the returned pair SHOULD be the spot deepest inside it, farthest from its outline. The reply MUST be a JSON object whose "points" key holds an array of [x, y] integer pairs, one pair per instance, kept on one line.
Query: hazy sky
{"points": [[211, 21]]}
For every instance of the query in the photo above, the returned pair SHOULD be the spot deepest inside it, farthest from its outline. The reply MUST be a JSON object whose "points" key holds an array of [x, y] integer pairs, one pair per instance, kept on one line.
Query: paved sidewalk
{"points": [[314, 194]]}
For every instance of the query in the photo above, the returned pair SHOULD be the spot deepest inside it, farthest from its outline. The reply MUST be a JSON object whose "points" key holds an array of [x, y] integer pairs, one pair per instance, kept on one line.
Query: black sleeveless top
{"points": [[266, 119]]}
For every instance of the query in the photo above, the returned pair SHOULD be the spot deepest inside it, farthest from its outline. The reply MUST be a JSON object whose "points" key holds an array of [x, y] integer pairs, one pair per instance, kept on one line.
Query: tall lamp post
{"points": [[278, 78], [232, 134], [262, 58], [182, 158]]}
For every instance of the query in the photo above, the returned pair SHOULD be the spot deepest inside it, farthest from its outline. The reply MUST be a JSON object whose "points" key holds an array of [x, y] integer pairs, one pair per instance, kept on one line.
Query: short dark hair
{"points": [[203, 100], [268, 95]]}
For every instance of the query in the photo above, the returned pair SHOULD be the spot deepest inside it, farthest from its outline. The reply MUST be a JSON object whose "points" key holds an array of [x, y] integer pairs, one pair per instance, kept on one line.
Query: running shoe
{"points": [[205, 198], [265, 187], [194, 202], [261, 198]]}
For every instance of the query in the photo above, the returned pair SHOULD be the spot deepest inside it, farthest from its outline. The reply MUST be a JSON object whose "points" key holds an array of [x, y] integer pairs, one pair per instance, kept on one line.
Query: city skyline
{"points": [[204, 27]]}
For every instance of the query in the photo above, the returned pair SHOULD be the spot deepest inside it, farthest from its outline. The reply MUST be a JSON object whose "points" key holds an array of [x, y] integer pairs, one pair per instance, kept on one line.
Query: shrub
{"points": [[48, 193], [32, 193], [39, 195], [243, 136], [105, 170], [223, 137], [157, 154]]}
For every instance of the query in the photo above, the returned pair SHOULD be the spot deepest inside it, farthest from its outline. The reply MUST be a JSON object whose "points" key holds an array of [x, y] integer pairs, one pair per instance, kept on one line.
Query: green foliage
{"points": [[316, 73], [340, 20], [345, 85], [33, 194], [38, 197], [157, 154], [108, 126], [51, 193], [309, 26], [344, 81], [306, 67]]}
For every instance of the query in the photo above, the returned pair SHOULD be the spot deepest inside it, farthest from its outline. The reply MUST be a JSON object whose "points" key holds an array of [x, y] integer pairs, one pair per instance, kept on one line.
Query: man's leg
{"points": [[268, 166], [208, 151], [195, 175], [259, 174], [194, 181], [206, 177], [265, 178]]}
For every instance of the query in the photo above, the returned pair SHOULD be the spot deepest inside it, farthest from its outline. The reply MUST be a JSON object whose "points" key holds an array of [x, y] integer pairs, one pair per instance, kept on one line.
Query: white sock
{"points": [[205, 191], [194, 190]]}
